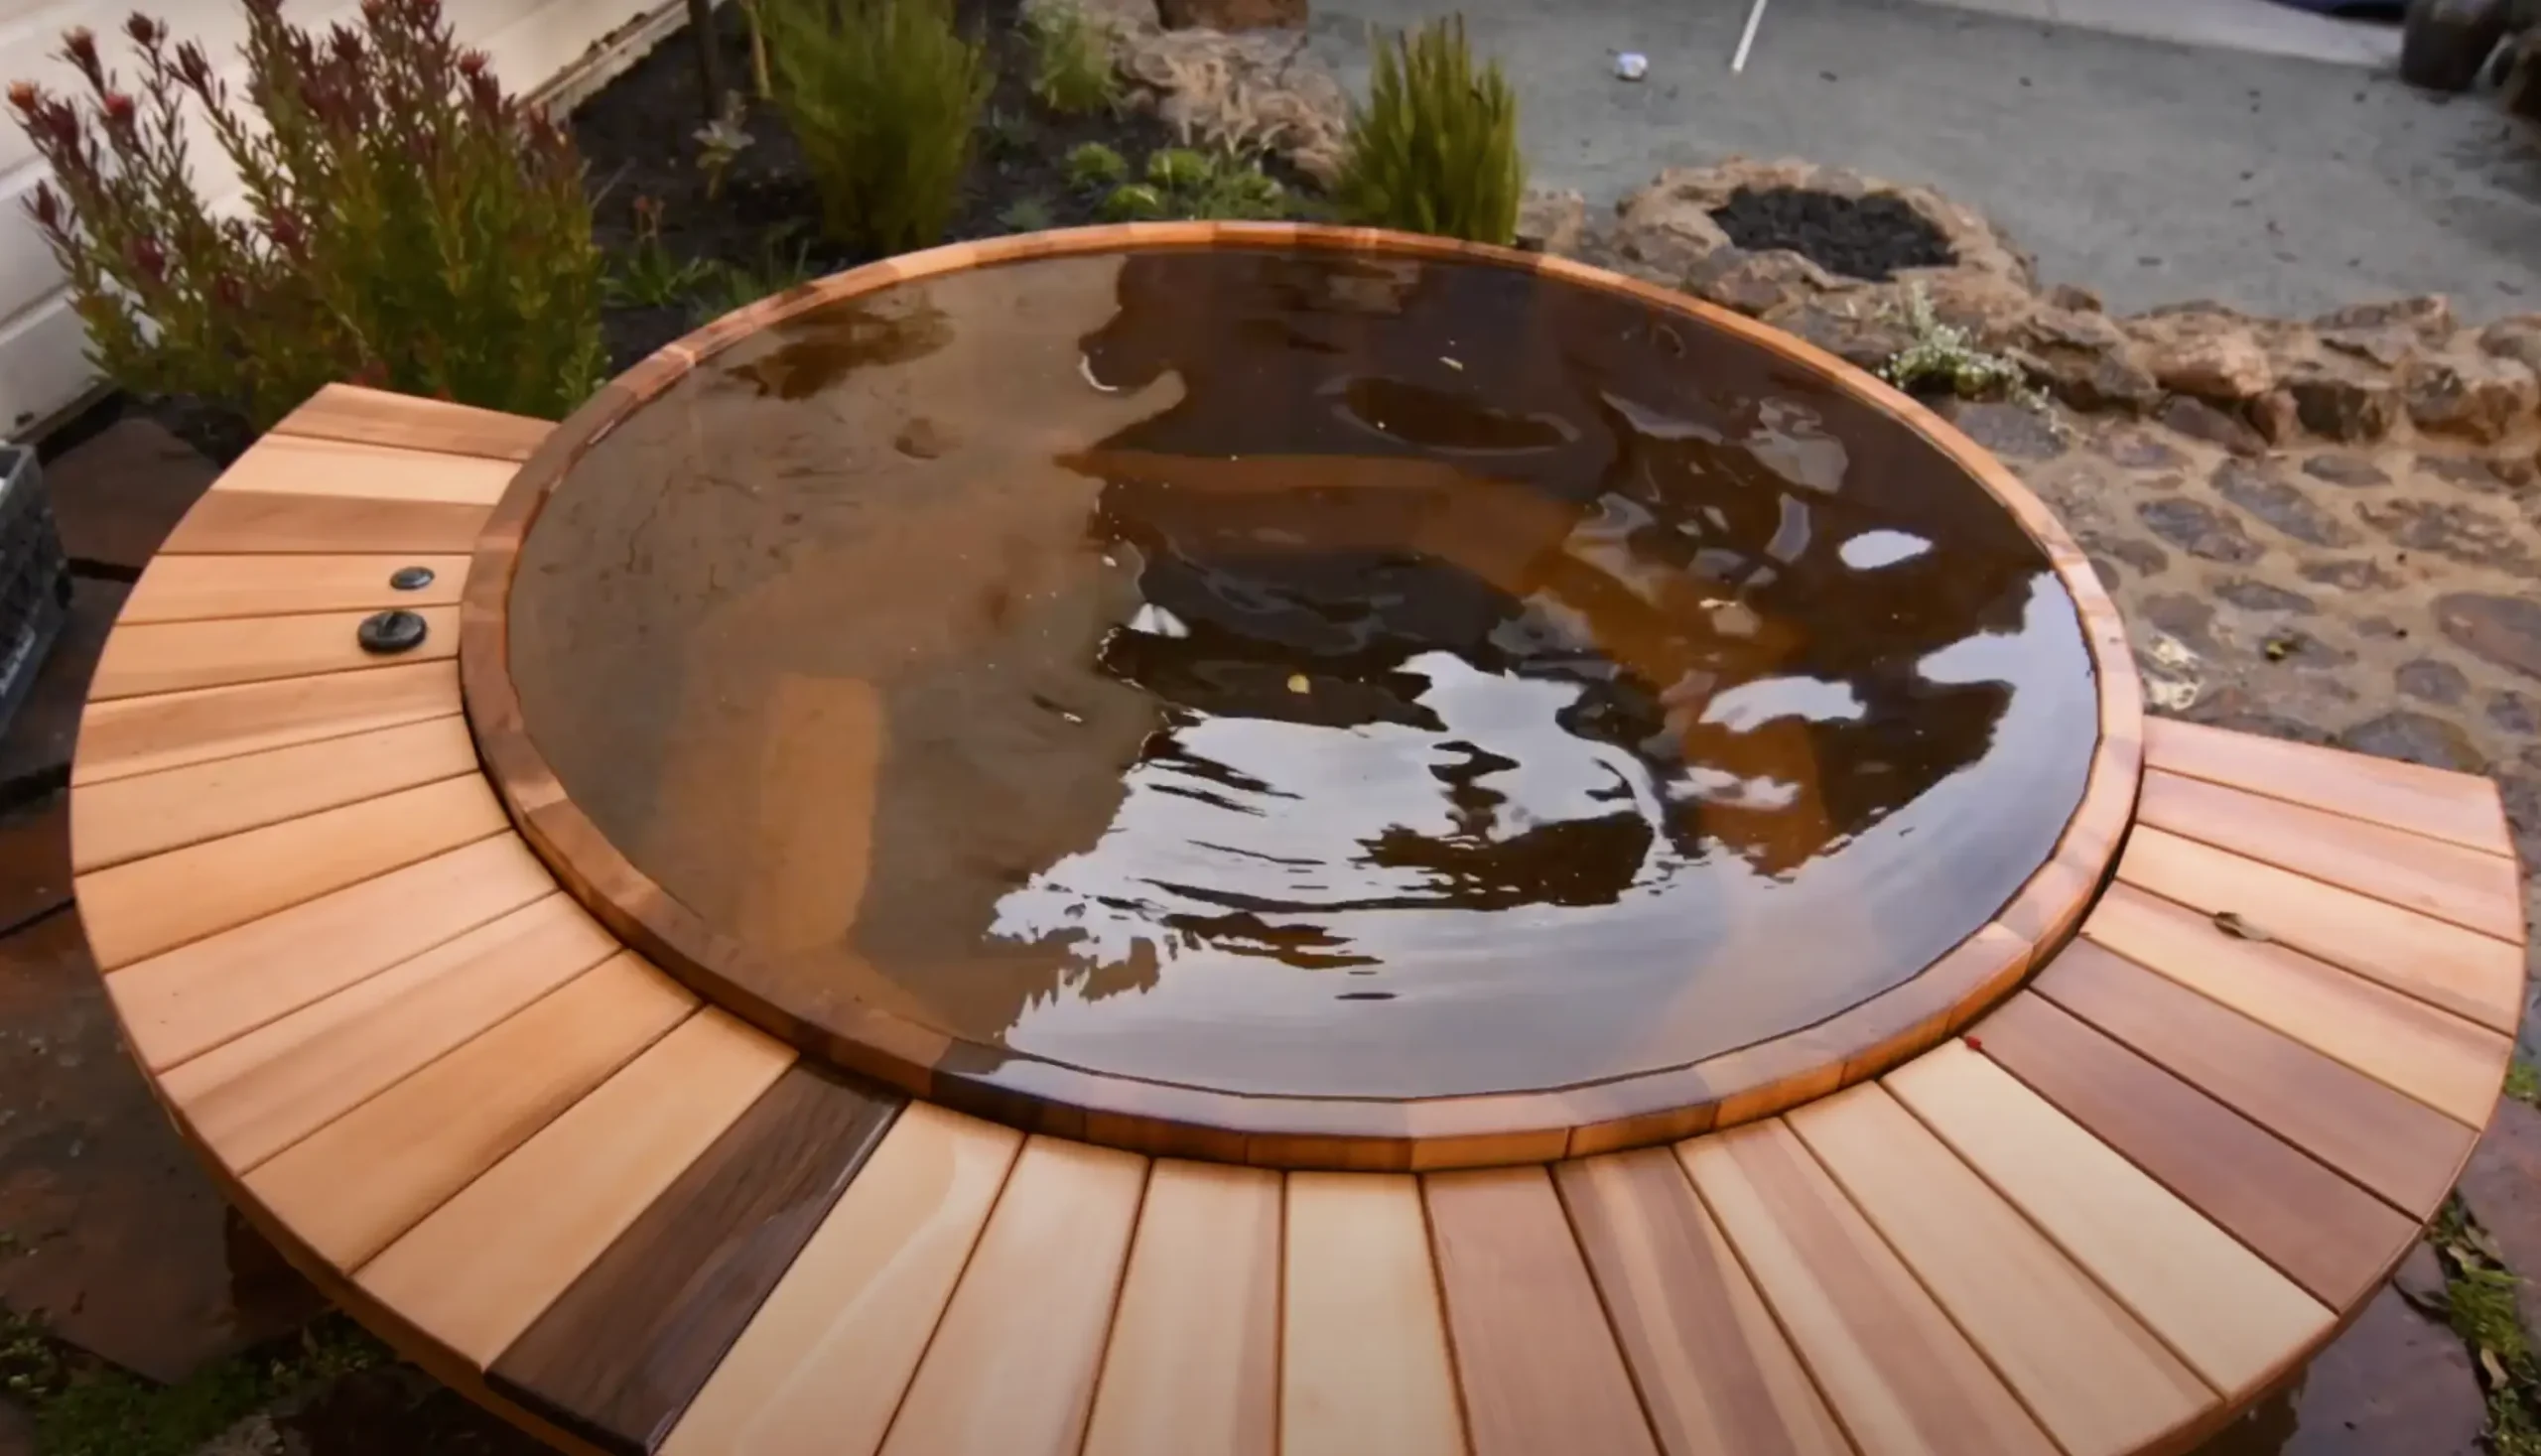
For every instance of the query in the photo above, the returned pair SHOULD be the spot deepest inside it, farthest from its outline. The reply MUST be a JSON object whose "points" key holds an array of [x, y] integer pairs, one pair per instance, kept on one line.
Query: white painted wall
{"points": [[42, 362]]}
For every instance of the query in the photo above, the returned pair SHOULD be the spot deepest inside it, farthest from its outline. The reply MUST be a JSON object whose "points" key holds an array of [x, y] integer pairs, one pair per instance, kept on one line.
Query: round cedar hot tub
{"points": [[1279, 694]]}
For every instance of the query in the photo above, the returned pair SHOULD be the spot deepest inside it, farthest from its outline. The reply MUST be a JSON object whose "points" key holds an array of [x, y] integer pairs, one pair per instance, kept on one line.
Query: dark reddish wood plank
{"points": [[2398, 1146], [621, 1352], [2325, 1233]]}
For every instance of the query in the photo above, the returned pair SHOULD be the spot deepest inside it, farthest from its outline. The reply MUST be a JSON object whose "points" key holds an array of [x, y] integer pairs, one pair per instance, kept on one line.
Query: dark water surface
{"points": [[1301, 673]]}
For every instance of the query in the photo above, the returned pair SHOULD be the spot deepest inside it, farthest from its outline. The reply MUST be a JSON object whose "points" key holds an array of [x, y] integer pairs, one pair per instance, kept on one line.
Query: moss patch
{"points": [[2481, 1306], [83, 1407]]}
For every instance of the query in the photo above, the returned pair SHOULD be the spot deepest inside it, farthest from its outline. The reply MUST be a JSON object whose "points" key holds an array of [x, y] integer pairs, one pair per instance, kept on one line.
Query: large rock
{"points": [[2480, 395], [1251, 91], [1555, 222], [1852, 327], [2429, 315], [2210, 356], [2517, 339], [2341, 400], [2085, 359], [1757, 283]]}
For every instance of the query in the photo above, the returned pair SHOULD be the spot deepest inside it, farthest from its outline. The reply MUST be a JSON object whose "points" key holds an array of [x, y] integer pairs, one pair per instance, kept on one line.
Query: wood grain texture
{"points": [[1715, 1374], [2086, 1368], [2462, 971], [2393, 1145], [1535, 1357], [185, 588], [623, 1350], [1011, 1368], [2442, 1060], [2324, 1231], [156, 904], [2459, 807], [349, 412], [186, 1001], [1898, 1373], [1363, 1361], [2228, 1314], [135, 735], [252, 522], [353, 1187], [284, 462], [151, 814], [171, 657], [2470, 888], [822, 1366], [483, 1265], [1193, 1360], [252, 1098]]}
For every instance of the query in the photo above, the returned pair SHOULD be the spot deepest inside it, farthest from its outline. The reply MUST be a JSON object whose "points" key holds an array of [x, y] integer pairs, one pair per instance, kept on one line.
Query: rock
{"points": [[1666, 226], [2200, 530], [2013, 431], [2430, 316], [2517, 339], [2189, 618], [2085, 360], [2502, 1186], [2147, 559], [1552, 222], [2275, 416], [2350, 575], [2394, 1384], [2279, 503], [2075, 298], [2344, 469], [2344, 402], [2454, 530], [1756, 284], [1231, 15], [2137, 451], [2478, 395], [2420, 1280], [1243, 91], [2252, 596], [2386, 347], [2198, 419], [2506, 630], [2430, 680], [1993, 310], [2416, 738], [2513, 713], [2204, 355], [1847, 326]]}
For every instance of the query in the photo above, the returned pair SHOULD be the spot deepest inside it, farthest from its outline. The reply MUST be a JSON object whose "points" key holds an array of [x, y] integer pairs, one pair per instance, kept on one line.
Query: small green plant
{"points": [[1026, 214], [1435, 148], [649, 277], [1008, 137], [1941, 356], [1134, 201], [1200, 185], [729, 286], [720, 142], [883, 97], [1072, 71], [1091, 165], [1179, 169], [407, 224]]}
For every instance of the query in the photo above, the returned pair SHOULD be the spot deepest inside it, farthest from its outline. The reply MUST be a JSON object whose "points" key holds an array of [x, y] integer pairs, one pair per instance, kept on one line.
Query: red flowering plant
{"points": [[405, 223]]}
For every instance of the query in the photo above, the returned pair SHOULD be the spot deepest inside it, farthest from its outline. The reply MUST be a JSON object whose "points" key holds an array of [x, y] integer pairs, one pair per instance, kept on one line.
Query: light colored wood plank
{"points": [[2457, 807], [2478, 891], [823, 1363], [253, 1097], [1011, 1369], [171, 657], [2231, 1315], [159, 903], [356, 1185], [285, 464], [1898, 1375], [1535, 1357], [198, 996], [350, 412], [1364, 1361], [485, 1264], [1193, 1363], [2096, 1377], [2450, 1064], [185, 588], [235, 521], [2462, 971], [132, 818], [1715, 1371], [135, 735]]}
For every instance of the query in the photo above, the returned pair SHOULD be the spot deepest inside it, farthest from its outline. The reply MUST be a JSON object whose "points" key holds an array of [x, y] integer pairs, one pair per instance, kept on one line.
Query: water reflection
{"points": [[1186, 663]]}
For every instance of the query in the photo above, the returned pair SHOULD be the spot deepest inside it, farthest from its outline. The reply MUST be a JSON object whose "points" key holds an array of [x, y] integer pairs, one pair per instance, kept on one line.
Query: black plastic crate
{"points": [[35, 577]]}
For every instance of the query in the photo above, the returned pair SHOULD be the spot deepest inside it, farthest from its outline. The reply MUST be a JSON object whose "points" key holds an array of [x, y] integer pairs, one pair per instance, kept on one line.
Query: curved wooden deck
{"points": [[2137, 1194]]}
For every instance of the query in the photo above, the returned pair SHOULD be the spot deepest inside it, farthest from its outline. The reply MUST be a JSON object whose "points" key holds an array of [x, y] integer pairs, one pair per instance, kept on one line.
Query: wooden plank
{"points": [[171, 657], [1715, 1371], [2229, 1315], [151, 814], [198, 996], [252, 1098], [2327, 1234], [249, 523], [822, 1366], [2471, 888], [1898, 1373], [1011, 1369], [353, 1187], [2450, 1064], [1535, 1357], [2100, 1382], [2457, 807], [1364, 1361], [1193, 1363], [623, 1350], [2462, 971], [287, 463], [157, 904], [185, 588], [349, 412], [483, 1265], [2397, 1147], [135, 735]]}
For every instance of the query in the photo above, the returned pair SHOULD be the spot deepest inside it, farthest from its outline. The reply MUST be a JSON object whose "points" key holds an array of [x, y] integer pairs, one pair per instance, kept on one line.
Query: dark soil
{"points": [[1859, 237]]}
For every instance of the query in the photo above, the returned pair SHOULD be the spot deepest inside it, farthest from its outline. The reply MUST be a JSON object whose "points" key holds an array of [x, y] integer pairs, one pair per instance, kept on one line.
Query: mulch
{"points": [[1859, 237]]}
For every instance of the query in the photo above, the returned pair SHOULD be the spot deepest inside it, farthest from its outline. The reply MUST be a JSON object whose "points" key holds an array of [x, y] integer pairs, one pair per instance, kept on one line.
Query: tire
{"points": [[2444, 44]]}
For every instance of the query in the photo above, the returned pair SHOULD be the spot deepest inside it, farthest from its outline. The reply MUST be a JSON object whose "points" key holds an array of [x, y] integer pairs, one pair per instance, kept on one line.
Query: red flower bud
{"points": [[82, 45], [471, 63], [23, 97], [1973, 1043], [143, 30]]}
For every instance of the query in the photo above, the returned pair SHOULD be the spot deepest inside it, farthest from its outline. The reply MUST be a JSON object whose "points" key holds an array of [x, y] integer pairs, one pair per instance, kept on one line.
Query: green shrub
{"points": [[883, 95], [1071, 62], [1028, 214], [1204, 185], [1091, 165], [1436, 149], [407, 224], [650, 276], [1134, 201]]}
